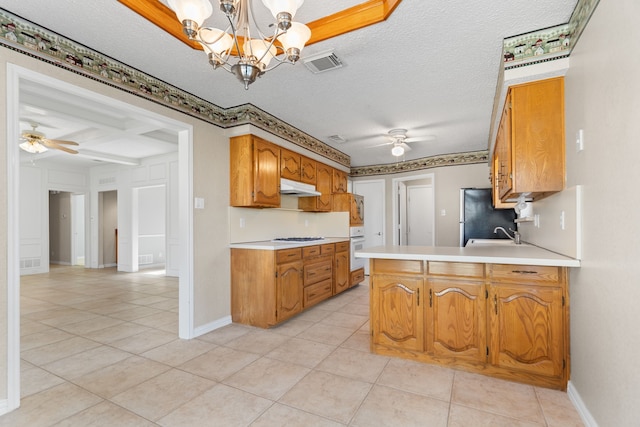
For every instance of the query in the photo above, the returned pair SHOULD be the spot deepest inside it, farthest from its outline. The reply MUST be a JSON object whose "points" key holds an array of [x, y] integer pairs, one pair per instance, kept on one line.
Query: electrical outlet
{"points": [[536, 220], [443, 212], [562, 221], [242, 223]]}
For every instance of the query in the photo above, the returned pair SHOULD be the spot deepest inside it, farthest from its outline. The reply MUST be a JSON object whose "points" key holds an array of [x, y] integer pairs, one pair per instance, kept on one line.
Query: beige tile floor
{"points": [[100, 348]]}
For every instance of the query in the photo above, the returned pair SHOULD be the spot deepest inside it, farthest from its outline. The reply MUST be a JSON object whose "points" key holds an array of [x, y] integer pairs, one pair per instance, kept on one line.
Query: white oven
{"points": [[356, 235]]}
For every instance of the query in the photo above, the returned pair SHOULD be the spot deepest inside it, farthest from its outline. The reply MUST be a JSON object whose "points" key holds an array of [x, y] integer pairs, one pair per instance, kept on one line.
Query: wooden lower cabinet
{"points": [[288, 290], [507, 321], [457, 320], [456, 315], [341, 270], [397, 314], [357, 276], [269, 287]]}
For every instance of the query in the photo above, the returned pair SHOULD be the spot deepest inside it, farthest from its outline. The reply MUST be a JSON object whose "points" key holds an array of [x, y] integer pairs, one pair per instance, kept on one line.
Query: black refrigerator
{"points": [[478, 218]]}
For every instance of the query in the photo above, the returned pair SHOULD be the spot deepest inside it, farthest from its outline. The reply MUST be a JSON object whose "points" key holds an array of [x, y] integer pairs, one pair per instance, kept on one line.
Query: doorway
{"points": [[16, 78], [107, 229], [77, 229], [414, 211], [66, 228]]}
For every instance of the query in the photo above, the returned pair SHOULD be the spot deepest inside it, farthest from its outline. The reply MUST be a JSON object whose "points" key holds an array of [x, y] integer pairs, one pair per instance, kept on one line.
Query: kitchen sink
{"points": [[492, 242]]}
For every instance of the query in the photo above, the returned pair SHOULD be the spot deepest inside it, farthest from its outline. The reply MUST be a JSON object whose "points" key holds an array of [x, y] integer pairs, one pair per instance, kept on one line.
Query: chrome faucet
{"points": [[516, 234]]}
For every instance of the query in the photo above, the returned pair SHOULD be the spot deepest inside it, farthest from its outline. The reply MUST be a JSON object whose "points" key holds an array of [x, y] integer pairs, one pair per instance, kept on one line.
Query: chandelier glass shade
{"points": [[242, 48]]}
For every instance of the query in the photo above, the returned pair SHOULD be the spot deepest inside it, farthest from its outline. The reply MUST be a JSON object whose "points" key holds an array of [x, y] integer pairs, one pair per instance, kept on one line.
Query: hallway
{"points": [[100, 348]]}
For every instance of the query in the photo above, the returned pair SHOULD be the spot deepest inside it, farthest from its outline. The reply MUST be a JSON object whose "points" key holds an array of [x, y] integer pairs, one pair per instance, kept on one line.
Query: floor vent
{"points": [[322, 62], [145, 259]]}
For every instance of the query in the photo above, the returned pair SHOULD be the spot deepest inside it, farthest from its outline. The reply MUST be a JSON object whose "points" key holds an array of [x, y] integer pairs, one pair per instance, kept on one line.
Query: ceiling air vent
{"points": [[321, 62]]}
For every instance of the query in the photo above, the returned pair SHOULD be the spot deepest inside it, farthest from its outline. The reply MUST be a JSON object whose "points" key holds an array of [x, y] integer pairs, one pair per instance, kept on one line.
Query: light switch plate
{"points": [[579, 140]]}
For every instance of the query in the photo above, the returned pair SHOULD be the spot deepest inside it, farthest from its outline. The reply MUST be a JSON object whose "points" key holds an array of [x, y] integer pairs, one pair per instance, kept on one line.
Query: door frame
{"points": [[399, 192], [15, 74]]}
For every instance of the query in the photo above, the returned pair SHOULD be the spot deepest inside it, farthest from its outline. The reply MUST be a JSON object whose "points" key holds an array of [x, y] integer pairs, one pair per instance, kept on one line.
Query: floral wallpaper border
{"points": [[549, 43], [457, 159], [30, 39]]}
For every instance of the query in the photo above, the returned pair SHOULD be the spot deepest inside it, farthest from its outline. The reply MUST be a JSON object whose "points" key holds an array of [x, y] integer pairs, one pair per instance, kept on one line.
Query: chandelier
{"points": [[242, 48]]}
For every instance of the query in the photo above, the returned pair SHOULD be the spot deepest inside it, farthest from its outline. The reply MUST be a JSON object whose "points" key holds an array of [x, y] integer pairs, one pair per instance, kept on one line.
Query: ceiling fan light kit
{"points": [[238, 40], [33, 147], [36, 142], [397, 150]]}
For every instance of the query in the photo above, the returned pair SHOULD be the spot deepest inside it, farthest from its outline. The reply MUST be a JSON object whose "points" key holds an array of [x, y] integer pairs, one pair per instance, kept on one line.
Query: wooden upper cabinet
{"points": [[338, 181], [289, 164], [254, 172], [352, 203], [307, 170], [323, 185], [530, 148]]}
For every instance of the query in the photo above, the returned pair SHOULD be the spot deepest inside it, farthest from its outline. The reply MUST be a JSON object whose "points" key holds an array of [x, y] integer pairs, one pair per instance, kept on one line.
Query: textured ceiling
{"points": [[431, 68]]}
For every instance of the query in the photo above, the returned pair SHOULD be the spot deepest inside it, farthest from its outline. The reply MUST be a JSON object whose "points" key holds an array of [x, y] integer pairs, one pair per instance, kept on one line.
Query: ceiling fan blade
{"points": [[380, 145], [60, 141], [55, 146], [405, 146], [421, 138]]}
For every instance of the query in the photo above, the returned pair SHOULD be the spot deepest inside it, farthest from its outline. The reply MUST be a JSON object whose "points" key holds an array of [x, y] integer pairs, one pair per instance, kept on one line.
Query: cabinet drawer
{"points": [[397, 266], [316, 293], [357, 276], [310, 251], [342, 246], [286, 255], [456, 269], [327, 249], [525, 273], [321, 270]]}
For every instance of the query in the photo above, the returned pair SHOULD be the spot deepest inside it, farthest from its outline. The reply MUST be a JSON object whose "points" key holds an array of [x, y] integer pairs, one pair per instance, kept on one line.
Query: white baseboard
{"points": [[4, 406], [584, 413], [216, 324]]}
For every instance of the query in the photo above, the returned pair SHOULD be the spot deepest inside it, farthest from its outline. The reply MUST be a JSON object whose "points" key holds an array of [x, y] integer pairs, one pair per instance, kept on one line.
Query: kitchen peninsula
{"points": [[499, 310]]}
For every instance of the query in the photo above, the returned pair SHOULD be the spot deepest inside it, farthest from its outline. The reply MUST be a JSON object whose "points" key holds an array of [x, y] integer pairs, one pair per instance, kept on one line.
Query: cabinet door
{"points": [[289, 165], [538, 130], [342, 276], [397, 312], [357, 210], [339, 181], [266, 170], [503, 148], [526, 328], [323, 185], [457, 320], [288, 290], [307, 170]]}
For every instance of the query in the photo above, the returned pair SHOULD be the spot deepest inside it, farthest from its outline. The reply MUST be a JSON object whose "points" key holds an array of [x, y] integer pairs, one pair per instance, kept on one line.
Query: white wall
{"points": [[602, 90]]}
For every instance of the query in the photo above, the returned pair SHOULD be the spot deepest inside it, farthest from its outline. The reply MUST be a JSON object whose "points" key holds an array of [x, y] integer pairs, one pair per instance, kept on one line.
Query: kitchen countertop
{"points": [[514, 254], [273, 246]]}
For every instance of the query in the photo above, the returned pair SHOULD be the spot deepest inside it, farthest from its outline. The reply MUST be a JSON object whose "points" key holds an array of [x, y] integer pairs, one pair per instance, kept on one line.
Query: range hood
{"points": [[297, 189]]}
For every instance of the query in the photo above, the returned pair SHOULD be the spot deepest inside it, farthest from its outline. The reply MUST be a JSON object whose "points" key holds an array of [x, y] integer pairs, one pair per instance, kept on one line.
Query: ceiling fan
{"points": [[400, 142], [35, 142]]}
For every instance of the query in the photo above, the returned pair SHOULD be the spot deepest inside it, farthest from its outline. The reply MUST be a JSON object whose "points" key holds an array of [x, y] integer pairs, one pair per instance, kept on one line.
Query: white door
{"points": [[77, 229], [419, 215], [374, 219]]}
